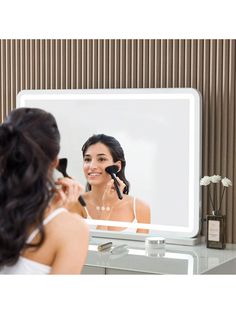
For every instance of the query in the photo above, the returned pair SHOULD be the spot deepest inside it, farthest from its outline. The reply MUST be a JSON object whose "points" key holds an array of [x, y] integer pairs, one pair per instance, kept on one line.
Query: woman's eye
{"points": [[102, 159], [87, 159]]}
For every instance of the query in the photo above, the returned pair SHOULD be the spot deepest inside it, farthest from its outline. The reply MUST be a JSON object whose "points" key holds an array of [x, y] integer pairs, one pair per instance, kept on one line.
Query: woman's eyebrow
{"points": [[101, 154]]}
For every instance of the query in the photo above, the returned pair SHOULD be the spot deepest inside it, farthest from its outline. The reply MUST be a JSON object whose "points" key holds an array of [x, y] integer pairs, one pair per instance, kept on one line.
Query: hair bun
{"points": [[9, 127], [8, 132]]}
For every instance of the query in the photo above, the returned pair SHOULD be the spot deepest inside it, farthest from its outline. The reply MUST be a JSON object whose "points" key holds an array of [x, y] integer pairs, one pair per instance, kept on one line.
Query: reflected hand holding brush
{"points": [[112, 170]]}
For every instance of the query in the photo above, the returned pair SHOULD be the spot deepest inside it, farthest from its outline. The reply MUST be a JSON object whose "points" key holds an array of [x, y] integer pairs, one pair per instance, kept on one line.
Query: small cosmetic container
{"points": [[155, 246]]}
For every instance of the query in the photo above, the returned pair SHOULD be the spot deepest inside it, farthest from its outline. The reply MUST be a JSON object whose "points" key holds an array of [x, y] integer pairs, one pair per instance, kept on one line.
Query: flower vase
{"points": [[216, 231]]}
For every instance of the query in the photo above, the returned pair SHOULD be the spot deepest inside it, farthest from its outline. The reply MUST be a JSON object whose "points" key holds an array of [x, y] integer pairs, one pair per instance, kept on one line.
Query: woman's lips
{"points": [[94, 175]]}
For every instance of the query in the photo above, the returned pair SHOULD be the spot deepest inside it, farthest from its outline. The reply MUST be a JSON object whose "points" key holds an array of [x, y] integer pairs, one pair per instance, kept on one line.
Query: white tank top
{"points": [[126, 229], [25, 266], [129, 229]]}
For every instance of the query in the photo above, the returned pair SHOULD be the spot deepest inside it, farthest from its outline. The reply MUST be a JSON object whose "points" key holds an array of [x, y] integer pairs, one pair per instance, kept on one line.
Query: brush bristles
{"points": [[112, 169]]}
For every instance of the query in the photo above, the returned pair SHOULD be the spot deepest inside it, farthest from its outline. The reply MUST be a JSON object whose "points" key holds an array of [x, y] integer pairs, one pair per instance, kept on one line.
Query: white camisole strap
{"points": [[55, 213]]}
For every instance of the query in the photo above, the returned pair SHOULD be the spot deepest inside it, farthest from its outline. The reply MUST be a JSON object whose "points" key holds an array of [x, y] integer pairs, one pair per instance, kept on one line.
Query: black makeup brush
{"points": [[112, 170], [61, 167]]}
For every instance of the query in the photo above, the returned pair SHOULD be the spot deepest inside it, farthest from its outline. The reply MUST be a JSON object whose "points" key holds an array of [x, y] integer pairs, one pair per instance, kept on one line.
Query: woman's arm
{"points": [[72, 245], [143, 214]]}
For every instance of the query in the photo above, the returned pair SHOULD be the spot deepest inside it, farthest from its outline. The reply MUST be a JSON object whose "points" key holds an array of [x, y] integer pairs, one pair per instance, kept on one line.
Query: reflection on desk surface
{"points": [[140, 260], [174, 259]]}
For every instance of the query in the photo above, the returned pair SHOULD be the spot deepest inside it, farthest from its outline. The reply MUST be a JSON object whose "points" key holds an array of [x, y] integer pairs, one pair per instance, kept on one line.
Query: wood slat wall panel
{"points": [[208, 65]]}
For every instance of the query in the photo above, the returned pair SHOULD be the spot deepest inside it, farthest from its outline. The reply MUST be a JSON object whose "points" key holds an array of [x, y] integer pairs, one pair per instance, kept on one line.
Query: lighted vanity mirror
{"points": [[159, 130]]}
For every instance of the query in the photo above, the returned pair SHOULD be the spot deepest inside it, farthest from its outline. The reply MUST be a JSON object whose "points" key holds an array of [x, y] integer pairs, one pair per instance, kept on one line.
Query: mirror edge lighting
{"points": [[22, 95]]}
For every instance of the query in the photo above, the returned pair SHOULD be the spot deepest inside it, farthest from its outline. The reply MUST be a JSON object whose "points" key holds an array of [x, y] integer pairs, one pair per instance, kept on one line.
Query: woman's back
{"points": [[49, 258]]}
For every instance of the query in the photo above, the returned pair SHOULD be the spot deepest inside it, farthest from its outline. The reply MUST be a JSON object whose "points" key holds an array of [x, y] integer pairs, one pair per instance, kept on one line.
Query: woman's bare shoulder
{"points": [[141, 203], [71, 237], [68, 224], [143, 212]]}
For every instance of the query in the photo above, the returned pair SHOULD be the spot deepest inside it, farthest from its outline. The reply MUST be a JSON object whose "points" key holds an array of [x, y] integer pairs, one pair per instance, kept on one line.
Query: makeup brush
{"points": [[112, 170], [61, 167]]}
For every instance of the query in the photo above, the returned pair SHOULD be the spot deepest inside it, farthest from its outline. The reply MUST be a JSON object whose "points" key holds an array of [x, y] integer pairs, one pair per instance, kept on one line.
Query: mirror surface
{"points": [[159, 130]]}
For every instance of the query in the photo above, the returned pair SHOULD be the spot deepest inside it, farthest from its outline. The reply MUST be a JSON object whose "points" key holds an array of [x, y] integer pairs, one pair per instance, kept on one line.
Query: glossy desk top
{"points": [[174, 259]]}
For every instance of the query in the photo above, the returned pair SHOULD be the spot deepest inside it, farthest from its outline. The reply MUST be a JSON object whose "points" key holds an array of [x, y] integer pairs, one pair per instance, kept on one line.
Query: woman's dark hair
{"points": [[116, 151], [29, 143]]}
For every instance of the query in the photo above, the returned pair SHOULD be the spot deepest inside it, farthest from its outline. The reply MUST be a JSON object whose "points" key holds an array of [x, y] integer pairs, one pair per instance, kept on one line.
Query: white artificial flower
{"points": [[215, 178], [226, 182], [205, 180]]}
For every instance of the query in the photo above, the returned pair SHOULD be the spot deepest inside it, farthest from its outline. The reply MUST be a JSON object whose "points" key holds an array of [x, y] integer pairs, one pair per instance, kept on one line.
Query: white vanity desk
{"points": [[176, 259]]}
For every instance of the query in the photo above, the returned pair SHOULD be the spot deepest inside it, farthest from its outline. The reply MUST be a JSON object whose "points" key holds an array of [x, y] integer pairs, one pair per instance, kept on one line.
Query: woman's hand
{"points": [[110, 196], [67, 196]]}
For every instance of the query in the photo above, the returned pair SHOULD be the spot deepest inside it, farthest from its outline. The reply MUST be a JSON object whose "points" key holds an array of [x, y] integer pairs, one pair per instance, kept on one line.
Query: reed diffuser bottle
{"points": [[216, 222], [216, 231]]}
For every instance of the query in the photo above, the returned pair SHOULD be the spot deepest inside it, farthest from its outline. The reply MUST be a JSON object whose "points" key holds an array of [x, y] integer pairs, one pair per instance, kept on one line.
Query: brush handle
{"points": [[116, 186], [65, 175], [82, 201]]}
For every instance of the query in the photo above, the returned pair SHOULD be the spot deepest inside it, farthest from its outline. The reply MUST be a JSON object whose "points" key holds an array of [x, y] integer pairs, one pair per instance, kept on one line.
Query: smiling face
{"points": [[96, 158]]}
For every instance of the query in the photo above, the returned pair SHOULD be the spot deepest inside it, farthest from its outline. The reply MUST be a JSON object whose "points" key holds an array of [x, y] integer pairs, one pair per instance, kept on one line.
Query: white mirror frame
{"points": [[39, 99]]}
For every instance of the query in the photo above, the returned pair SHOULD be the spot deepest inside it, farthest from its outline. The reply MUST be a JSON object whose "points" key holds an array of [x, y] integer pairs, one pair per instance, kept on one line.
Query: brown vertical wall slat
{"points": [[111, 63], [151, 65], [6, 83], [89, 62], [218, 110], [134, 64], [140, 64], [53, 64], [13, 74], [181, 63], [169, 63], [122, 63], [218, 97], [175, 67], [163, 63], [84, 63], [106, 64], [100, 63], [211, 122], [194, 63], [117, 63], [4, 105], [95, 64], [205, 121], [157, 63], [234, 143], [79, 64], [200, 73], [187, 53], [208, 65], [231, 135], [145, 63], [225, 117]]}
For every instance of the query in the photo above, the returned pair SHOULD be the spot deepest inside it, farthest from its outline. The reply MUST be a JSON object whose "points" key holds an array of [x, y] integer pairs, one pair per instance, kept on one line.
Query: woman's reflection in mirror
{"points": [[102, 202]]}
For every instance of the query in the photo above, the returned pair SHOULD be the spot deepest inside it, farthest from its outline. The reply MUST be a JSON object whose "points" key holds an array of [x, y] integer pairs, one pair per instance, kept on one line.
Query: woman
{"points": [[102, 202], [38, 233]]}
